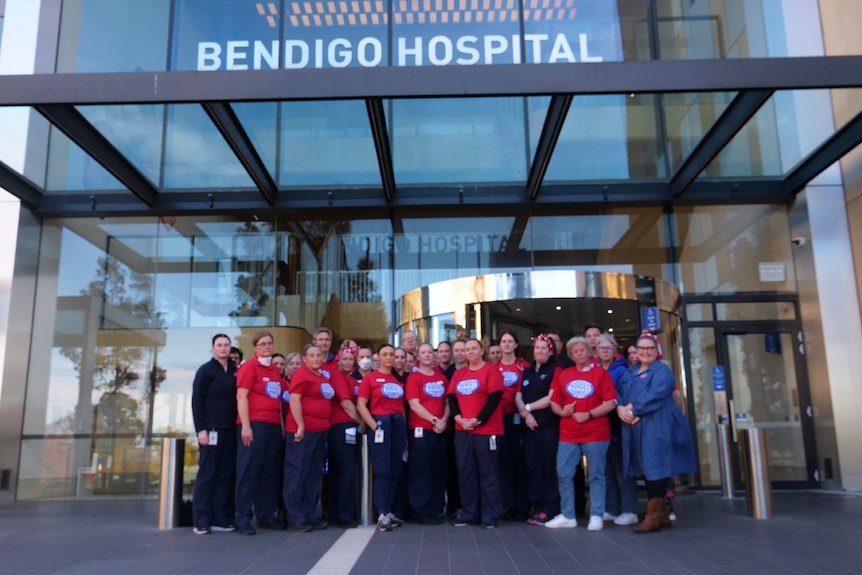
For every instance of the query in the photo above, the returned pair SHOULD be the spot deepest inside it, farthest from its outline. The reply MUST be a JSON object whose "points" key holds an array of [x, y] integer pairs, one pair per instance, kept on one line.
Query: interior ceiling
{"points": [[531, 316]]}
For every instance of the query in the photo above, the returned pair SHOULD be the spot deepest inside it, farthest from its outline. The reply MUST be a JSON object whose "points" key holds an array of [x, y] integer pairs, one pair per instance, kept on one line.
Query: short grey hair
{"points": [[609, 338], [575, 341]]}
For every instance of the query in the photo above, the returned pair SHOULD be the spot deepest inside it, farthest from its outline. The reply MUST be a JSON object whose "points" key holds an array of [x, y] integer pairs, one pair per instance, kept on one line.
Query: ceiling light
{"points": [[517, 309], [610, 311], [559, 307], [610, 330]]}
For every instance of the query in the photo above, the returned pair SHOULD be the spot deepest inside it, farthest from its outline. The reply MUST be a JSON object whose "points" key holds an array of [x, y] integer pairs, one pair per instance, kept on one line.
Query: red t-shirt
{"points": [[384, 394], [329, 367], [512, 375], [265, 387], [345, 388], [316, 393], [590, 389], [430, 390], [471, 389]]}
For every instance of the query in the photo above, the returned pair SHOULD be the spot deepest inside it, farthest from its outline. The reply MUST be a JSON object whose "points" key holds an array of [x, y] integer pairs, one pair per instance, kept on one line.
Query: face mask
{"points": [[365, 363], [266, 361]]}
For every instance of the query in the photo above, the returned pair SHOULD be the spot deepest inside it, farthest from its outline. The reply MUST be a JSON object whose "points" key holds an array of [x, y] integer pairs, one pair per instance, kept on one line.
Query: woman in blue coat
{"points": [[656, 437]]}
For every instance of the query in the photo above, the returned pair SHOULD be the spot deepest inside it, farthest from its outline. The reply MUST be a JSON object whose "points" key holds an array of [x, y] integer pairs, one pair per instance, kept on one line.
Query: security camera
{"points": [[799, 241]]}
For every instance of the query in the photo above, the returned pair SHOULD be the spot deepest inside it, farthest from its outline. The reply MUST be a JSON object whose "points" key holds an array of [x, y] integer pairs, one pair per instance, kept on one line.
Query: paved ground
{"points": [[812, 532]]}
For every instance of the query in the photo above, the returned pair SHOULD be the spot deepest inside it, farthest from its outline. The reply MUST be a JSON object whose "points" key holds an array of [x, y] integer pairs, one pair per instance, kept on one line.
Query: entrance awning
{"points": [[354, 141]]}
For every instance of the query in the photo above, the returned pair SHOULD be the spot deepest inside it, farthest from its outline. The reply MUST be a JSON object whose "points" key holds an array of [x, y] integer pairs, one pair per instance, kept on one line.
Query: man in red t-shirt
{"points": [[583, 395], [474, 400]]}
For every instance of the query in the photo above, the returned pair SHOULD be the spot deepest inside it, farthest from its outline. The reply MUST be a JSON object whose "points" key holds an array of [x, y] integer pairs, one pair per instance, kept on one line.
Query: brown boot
{"points": [[652, 520], [665, 514]]}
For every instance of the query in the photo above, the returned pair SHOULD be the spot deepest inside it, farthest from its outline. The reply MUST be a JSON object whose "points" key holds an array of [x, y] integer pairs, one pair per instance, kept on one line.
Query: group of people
{"points": [[484, 435]]}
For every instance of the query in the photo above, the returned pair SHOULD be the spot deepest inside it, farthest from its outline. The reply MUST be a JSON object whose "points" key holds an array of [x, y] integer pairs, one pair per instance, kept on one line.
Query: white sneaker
{"points": [[383, 523], [561, 522], [671, 516], [626, 519], [596, 523], [608, 517]]}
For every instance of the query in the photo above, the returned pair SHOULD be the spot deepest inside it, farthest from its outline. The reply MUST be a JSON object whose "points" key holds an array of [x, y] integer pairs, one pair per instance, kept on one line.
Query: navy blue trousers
{"points": [[513, 469], [479, 475], [257, 473], [427, 469], [303, 471], [386, 460], [540, 456], [342, 474], [212, 502]]}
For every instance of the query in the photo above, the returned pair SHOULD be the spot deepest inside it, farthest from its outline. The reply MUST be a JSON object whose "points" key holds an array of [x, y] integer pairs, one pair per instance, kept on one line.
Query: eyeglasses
{"points": [[605, 348], [646, 349], [263, 344]]}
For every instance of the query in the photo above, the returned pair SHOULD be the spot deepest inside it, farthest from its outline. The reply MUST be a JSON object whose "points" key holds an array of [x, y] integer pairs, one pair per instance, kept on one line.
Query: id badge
{"points": [[350, 436], [213, 437], [493, 440], [378, 435], [516, 419], [418, 433]]}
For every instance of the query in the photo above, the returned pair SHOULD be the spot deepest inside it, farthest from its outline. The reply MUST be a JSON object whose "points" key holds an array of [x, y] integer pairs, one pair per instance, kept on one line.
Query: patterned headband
{"points": [[351, 350], [654, 337], [545, 338]]}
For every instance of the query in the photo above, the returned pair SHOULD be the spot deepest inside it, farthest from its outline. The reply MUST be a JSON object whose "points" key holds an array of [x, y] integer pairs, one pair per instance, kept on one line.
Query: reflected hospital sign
{"points": [[368, 52]]}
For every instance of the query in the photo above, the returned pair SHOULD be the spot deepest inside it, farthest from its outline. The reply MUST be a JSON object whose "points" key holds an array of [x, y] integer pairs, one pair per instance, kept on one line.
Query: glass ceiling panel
{"points": [[688, 117], [135, 130], [327, 143], [70, 169], [196, 154], [608, 137], [791, 125], [14, 132], [458, 140], [259, 120]]}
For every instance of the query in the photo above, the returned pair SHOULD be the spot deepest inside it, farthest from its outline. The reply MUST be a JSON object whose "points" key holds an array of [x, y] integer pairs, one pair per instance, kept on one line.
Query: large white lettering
{"points": [[234, 54], [433, 52], [209, 56], [368, 52]]}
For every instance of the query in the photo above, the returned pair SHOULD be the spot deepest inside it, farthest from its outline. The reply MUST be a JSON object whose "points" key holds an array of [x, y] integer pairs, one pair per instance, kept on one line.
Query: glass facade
{"points": [[134, 302]]}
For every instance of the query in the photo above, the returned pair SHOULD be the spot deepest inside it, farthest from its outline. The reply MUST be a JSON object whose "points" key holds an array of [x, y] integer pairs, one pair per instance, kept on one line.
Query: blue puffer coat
{"points": [[660, 444]]}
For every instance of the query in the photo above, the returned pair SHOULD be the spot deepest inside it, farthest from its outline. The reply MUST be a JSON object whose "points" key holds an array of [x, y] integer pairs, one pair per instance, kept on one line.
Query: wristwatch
{"points": [[589, 414], [433, 421], [528, 408]]}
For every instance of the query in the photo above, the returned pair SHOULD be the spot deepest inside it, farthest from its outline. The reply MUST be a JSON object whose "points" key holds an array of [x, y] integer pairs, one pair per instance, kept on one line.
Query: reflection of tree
{"points": [[254, 266], [127, 325]]}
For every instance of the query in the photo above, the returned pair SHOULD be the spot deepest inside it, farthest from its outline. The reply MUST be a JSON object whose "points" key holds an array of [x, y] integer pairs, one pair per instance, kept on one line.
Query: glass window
{"points": [[607, 137], [703, 358], [721, 248], [196, 154], [458, 140], [625, 241], [70, 169], [553, 33], [327, 143], [698, 312], [225, 35], [111, 36], [755, 311]]}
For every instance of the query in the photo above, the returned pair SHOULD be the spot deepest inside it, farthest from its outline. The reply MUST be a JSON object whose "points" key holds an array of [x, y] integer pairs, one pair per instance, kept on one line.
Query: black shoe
{"points": [[301, 527], [270, 524], [245, 529], [459, 522], [202, 530], [319, 525], [346, 524], [395, 521], [488, 525]]}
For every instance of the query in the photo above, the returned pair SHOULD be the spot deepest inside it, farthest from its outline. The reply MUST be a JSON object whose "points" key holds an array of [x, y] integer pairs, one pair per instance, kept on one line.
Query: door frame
{"points": [[722, 329]]}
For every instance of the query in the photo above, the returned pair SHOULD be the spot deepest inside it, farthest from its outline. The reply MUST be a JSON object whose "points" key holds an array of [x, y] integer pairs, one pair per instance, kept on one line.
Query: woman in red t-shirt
{"points": [[380, 403], [343, 435], [259, 451], [427, 438], [307, 427], [474, 400], [583, 395], [513, 470]]}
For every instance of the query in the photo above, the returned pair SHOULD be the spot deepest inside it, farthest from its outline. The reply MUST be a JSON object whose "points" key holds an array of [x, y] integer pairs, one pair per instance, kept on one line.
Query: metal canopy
{"points": [[754, 80]]}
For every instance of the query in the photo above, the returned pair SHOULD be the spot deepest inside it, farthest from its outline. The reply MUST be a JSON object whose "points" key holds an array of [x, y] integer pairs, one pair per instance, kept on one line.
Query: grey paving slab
{"points": [[812, 532]]}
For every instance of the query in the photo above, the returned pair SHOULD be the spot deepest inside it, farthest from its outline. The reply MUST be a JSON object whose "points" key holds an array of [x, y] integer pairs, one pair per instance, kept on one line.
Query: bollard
{"points": [[758, 486], [725, 462], [171, 482], [366, 513]]}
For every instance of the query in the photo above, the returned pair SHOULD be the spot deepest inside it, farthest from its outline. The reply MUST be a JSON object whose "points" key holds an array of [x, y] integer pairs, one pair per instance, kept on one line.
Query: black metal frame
{"points": [[56, 95]]}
